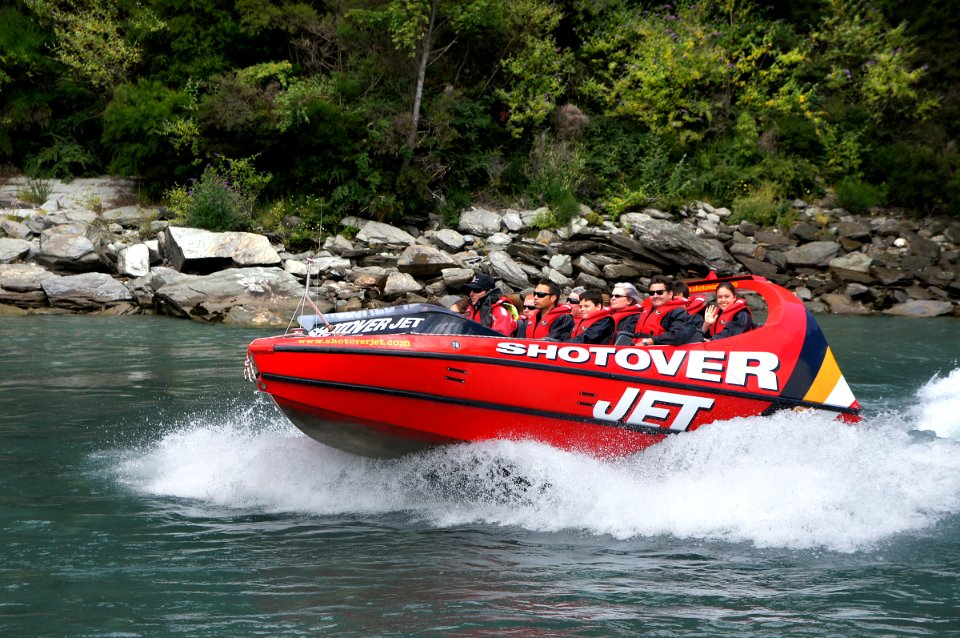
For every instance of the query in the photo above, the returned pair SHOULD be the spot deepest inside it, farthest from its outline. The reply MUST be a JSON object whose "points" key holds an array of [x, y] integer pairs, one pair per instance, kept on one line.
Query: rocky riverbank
{"points": [[81, 252]]}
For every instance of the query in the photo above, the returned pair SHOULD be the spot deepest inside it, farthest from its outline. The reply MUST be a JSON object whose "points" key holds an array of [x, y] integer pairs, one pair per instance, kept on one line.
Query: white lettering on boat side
{"points": [[372, 325], [729, 368], [653, 408]]}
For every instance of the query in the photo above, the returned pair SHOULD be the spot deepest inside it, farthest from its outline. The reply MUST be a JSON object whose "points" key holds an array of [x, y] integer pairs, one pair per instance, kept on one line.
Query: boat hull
{"points": [[387, 395]]}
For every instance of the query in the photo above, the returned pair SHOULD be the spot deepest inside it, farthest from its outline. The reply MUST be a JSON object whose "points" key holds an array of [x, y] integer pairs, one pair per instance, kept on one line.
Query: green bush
{"points": [[209, 202], [133, 125], [858, 196], [555, 171], [213, 204], [761, 206]]}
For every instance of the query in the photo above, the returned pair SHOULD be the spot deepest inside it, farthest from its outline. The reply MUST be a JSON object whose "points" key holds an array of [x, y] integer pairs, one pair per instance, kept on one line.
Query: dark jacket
{"points": [[597, 328], [736, 319], [555, 325], [669, 325]]}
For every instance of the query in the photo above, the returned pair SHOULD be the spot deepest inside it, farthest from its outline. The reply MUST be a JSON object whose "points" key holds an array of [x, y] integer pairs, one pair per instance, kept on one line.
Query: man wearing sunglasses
{"points": [[551, 321], [666, 322]]}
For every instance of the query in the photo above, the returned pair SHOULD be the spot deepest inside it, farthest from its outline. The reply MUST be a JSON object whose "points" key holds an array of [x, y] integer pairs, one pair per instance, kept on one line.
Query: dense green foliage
{"points": [[398, 108]]}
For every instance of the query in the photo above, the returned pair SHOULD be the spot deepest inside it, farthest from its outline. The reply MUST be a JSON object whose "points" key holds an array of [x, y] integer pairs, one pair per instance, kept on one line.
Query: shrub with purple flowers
{"points": [[222, 198]]}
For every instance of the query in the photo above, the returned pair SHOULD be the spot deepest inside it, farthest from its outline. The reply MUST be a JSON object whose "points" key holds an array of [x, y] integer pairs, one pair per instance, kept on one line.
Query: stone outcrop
{"points": [[193, 250], [65, 257], [254, 296]]}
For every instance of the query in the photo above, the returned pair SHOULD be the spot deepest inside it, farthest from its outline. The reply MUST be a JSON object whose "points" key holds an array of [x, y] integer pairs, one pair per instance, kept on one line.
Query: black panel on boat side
{"points": [[409, 319]]}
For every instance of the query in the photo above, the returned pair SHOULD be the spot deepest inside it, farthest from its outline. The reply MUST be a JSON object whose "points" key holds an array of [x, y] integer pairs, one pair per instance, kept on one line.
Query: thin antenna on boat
{"points": [[306, 294]]}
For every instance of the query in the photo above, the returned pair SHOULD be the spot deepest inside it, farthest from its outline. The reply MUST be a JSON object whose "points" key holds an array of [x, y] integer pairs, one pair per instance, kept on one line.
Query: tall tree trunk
{"points": [[421, 76]]}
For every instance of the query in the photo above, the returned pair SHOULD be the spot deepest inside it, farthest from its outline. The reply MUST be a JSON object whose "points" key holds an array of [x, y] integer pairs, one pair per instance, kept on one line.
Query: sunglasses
{"points": [[530, 307], [541, 295], [658, 292], [572, 300], [615, 296]]}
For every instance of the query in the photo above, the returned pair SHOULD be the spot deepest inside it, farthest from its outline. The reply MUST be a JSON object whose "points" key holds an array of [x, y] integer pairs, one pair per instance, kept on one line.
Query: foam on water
{"points": [[938, 406], [790, 480]]}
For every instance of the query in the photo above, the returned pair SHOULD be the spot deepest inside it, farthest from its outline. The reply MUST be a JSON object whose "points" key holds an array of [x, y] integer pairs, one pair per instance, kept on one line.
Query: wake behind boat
{"points": [[396, 380]]}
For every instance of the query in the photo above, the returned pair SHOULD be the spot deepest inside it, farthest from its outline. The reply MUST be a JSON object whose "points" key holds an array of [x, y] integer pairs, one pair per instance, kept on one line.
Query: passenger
{"points": [[489, 307], [573, 299], [626, 310], [595, 324], [552, 321], [729, 317], [526, 314], [667, 322], [695, 305]]}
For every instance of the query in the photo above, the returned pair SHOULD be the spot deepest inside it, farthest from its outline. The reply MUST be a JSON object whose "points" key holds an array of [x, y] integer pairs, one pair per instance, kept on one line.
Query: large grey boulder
{"points": [[841, 304], [131, 216], [400, 283], [134, 261], [12, 250], [14, 229], [197, 251], [379, 233], [424, 261], [250, 296], [68, 247], [478, 221], [22, 284], [815, 253], [86, 291], [446, 239], [456, 278], [669, 243], [920, 308], [508, 270], [857, 261]]}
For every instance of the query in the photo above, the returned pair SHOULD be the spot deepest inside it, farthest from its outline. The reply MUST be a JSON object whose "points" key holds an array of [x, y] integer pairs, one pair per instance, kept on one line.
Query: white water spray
{"points": [[791, 480]]}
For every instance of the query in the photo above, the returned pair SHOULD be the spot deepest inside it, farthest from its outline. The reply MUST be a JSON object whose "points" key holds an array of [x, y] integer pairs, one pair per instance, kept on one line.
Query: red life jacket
{"points": [[541, 328], [649, 323], [694, 305], [502, 318], [620, 315], [585, 322], [725, 316]]}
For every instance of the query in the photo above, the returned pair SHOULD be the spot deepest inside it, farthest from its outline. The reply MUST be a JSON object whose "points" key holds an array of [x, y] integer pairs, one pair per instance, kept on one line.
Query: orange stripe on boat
{"points": [[826, 380]]}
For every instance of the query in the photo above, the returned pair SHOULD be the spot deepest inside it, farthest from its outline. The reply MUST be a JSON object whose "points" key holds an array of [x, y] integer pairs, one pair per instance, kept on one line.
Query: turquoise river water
{"points": [[147, 490]]}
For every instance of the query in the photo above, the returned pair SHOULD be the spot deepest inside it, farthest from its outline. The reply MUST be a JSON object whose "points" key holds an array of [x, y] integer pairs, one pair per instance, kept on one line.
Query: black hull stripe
{"points": [[780, 402], [469, 403]]}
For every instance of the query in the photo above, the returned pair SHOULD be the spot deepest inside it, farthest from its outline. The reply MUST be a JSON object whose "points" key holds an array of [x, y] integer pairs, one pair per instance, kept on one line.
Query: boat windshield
{"points": [[408, 319]]}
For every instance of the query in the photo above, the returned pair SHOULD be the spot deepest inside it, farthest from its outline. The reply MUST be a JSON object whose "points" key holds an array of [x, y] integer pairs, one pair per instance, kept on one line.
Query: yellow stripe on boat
{"points": [[826, 380]]}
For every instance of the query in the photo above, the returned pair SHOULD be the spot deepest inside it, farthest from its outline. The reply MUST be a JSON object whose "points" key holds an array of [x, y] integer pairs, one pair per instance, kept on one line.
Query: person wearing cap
{"points": [[488, 305]]}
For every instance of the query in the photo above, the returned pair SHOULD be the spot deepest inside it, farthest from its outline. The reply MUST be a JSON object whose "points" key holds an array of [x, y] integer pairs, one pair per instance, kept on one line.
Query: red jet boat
{"points": [[396, 380]]}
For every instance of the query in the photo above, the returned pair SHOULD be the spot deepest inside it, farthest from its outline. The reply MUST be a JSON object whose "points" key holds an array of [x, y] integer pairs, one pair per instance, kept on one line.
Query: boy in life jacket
{"points": [[667, 322], [552, 321], [489, 307], [729, 317], [595, 325]]}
